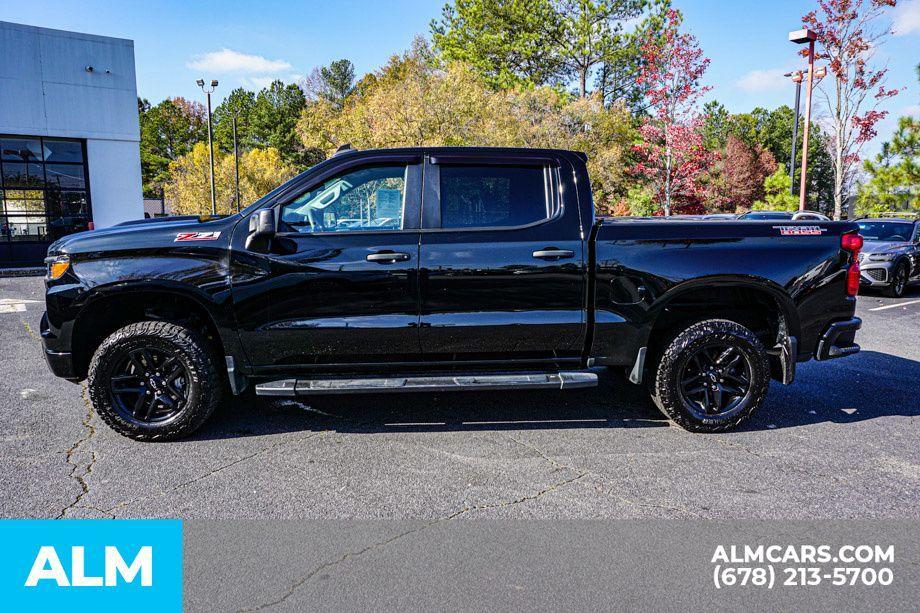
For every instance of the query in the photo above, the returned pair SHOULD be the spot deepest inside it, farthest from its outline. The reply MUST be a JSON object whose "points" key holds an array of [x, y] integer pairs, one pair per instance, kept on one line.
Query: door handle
{"points": [[387, 257], [551, 253]]}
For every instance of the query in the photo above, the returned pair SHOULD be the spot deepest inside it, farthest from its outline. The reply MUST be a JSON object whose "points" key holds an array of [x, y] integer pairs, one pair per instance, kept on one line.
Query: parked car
{"points": [[809, 216], [494, 274], [766, 216], [780, 215], [890, 259]]}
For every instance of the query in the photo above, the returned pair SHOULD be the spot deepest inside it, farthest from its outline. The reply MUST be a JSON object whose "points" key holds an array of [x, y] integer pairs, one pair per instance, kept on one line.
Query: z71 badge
{"points": [[182, 237], [800, 230]]}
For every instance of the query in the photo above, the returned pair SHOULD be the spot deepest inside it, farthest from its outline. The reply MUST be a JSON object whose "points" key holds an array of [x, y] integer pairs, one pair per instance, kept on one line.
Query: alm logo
{"points": [[48, 567]]}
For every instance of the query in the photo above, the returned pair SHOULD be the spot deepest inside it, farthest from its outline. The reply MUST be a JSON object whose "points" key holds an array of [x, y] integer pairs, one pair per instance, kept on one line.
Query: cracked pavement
{"points": [[840, 443]]}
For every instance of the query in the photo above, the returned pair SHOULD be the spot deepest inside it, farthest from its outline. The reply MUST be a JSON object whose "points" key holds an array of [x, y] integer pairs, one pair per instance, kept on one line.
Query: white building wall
{"points": [[46, 90], [114, 181]]}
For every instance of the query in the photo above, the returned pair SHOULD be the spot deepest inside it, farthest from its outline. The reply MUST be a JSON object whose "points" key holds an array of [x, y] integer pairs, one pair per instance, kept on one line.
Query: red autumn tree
{"points": [[671, 156], [744, 168], [848, 31]]}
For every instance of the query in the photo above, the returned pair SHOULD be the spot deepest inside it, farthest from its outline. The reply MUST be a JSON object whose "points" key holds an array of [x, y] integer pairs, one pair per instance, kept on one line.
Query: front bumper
{"points": [[875, 274], [60, 362], [838, 338]]}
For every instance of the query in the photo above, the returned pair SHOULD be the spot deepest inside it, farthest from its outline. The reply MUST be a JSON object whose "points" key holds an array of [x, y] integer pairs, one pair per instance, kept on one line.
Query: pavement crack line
{"points": [[212, 472], [296, 585], [597, 486], [89, 431]]}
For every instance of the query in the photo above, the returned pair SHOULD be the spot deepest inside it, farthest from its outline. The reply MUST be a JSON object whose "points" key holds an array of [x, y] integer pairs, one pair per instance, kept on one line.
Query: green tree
{"points": [[508, 42], [241, 103], [772, 130], [777, 196], [547, 42], [333, 83], [591, 32], [274, 119], [168, 131], [894, 174]]}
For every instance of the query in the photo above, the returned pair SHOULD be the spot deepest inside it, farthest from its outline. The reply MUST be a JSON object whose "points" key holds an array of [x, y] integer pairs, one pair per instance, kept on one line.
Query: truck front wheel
{"points": [[154, 380], [712, 376]]}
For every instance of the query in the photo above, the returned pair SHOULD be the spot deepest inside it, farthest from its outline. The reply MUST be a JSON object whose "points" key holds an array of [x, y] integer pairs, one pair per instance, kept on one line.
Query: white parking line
{"points": [[894, 306], [12, 305]]}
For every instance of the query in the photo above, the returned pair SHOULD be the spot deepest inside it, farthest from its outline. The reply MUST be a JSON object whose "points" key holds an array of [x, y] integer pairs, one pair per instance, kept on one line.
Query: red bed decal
{"points": [[800, 230], [182, 237]]}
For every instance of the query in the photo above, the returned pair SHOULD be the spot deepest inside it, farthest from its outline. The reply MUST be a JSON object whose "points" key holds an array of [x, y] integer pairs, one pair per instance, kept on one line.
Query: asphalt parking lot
{"points": [[842, 442]]}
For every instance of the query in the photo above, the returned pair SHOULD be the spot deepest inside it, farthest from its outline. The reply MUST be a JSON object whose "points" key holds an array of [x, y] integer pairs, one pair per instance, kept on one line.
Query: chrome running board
{"points": [[441, 383]]}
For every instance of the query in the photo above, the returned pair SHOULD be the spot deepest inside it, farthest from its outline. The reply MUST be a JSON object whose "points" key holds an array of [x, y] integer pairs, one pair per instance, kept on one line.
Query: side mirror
{"points": [[261, 230]]}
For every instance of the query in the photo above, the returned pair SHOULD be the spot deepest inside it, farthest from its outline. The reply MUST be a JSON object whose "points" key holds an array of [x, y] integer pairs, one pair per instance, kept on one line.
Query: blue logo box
{"points": [[93, 564]]}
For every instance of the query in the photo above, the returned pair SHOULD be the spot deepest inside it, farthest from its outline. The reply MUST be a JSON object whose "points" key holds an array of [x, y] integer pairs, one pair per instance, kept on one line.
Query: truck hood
{"points": [[166, 232]]}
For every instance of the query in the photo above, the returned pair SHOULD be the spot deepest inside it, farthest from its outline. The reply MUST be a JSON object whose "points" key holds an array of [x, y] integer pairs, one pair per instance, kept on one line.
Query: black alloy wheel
{"points": [[715, 379], [711, 376], [899, 282], [150, 386], [155, 380]]}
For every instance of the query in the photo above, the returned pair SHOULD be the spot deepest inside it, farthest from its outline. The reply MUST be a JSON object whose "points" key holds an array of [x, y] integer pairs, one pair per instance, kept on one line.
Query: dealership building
{"points": [[69, 138]]}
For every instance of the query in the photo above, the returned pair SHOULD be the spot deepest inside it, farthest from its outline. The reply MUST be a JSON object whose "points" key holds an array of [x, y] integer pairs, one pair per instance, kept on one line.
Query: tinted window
{"points": [[360, 200], [493, 196], [886, 230], [767, 216]]}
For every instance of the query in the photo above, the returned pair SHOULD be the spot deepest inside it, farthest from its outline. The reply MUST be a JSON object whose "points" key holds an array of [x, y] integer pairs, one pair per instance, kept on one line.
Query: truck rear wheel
{"points": [[154, 380], [712, 376]]}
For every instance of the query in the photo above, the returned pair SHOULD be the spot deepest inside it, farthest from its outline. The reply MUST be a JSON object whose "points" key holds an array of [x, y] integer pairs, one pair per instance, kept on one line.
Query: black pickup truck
{"points": [[442, 269]]}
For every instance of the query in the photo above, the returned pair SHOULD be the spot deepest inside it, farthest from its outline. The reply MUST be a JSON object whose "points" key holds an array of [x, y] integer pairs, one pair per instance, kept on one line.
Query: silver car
{"points": [[890, 257]]}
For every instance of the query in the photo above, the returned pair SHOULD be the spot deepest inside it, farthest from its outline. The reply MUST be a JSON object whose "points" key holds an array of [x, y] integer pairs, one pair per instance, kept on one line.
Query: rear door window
{"points": [[494, 196]]}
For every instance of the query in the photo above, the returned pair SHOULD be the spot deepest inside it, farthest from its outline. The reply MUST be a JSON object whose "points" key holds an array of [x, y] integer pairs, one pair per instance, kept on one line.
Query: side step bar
{"points": [[442, 383]]}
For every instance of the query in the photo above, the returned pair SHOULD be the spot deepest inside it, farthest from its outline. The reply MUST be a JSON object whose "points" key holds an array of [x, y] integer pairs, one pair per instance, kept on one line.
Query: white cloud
{"points": [[257, 82], [230, 61], [770, 80], [910, 111], [906, 16]]}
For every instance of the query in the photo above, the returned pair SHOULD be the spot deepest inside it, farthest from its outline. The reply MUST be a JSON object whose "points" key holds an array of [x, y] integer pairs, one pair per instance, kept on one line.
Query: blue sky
{"points": [[248, 43]]}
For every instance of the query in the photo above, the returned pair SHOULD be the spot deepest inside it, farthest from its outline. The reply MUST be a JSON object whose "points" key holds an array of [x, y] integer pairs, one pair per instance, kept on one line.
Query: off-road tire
{"points": [[206, 381], [666, 392]]}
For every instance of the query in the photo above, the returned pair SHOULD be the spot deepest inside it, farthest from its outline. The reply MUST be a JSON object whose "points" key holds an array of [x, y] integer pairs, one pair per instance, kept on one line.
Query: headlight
{"points": [[57, 266], [881, 257]]}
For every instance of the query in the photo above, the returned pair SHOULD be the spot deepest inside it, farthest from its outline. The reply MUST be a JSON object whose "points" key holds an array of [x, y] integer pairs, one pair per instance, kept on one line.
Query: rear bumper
{"points": [[838, 340]]}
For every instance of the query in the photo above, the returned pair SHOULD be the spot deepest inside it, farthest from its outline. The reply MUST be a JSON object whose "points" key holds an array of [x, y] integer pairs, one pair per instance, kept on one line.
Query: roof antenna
{"points": [[343, 149]]}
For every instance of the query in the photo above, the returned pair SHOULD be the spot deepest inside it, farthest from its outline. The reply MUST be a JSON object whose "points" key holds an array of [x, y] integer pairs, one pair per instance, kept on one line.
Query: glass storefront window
{"points": [[23, 228], [68, 176], [21, 149], [62, 151], [43, 195], [23, 175]]}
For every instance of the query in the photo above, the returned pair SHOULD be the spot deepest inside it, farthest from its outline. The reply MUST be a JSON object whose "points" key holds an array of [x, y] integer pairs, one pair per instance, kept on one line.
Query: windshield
{"points": [[891, 231]]}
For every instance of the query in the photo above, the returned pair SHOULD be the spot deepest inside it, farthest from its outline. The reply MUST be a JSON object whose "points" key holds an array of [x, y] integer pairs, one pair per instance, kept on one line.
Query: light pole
{"points": [[797, 79], [800, 37], [208, 92]]}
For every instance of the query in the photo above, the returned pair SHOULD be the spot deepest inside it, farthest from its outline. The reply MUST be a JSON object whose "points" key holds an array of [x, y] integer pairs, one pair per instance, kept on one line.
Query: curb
{"points": [[22, 272]]}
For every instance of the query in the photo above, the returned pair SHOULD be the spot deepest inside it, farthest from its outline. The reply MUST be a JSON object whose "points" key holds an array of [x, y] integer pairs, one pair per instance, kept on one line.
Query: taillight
{"points": [[853, 279], [852, 243]]}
